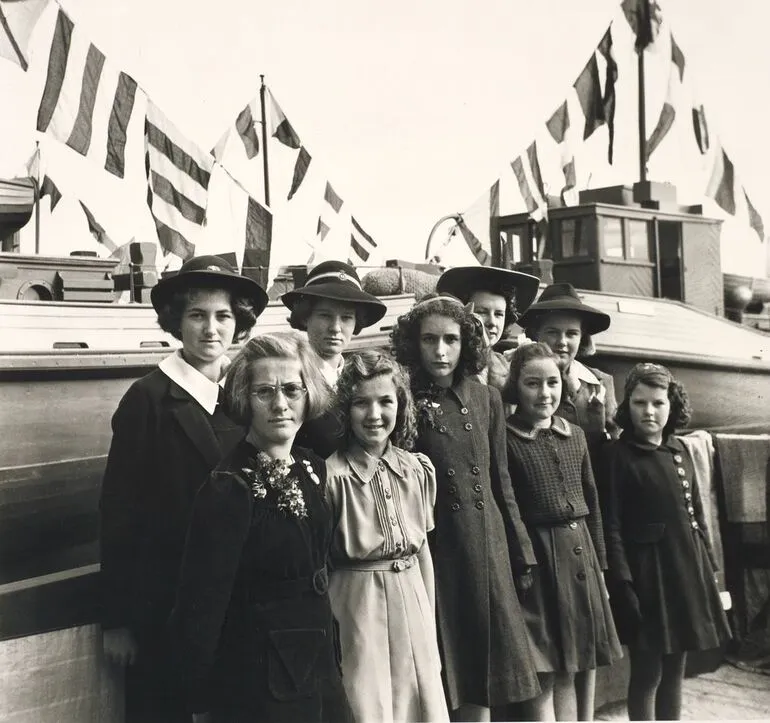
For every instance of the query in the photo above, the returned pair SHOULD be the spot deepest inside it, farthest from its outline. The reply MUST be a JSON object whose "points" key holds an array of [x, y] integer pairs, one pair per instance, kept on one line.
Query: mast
{"points": [[37, 201], [646, 29], [264, 140]]}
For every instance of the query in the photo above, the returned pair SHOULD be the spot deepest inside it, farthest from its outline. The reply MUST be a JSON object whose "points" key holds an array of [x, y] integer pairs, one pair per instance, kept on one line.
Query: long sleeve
{"points": [[594, 520], [612, 485], [522, 554], [123, 508]]}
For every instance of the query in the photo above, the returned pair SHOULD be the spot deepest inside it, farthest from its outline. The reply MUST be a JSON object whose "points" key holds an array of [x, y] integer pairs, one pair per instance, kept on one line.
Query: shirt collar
{"points": [[331, 373], [364, 465], [521, 429], [202, 390], [579, 372], [671, 443]]}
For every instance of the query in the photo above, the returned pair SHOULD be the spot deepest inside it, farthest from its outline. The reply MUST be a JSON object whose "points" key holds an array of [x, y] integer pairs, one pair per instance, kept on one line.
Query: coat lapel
{"points": [[193, 421]]}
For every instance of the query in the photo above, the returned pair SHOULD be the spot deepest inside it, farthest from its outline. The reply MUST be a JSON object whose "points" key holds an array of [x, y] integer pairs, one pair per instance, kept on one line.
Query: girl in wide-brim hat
{"points": [[169, 432], [499, 297], [331, 307]]}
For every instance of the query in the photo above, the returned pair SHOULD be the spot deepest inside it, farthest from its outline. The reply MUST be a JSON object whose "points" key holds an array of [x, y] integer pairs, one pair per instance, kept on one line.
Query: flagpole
{"points": [[37, 201], [264, 140], [642, 108]]}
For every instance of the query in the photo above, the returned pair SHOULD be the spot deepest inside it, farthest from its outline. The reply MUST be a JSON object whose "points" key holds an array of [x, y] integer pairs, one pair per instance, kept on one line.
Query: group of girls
{"points": [[466, 552]]}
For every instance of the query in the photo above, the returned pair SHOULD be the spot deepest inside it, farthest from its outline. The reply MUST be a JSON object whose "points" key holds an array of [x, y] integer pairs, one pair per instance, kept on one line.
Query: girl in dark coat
{"points": [[661, 566], [252, 627], [169, 432], [479, 543], [567, 611]]}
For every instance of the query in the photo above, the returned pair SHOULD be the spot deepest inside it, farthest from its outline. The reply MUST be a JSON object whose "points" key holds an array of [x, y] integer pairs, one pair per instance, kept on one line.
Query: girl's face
{"points": [[278, 401], [330, 327], [440, 347], [207, 327], [649, 408], [373, 411], [539, 391], [561, 331], [490, 308]]}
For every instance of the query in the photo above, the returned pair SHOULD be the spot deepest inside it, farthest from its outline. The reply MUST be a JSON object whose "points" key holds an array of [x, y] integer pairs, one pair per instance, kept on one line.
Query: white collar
{"points": [[202, 390], [579, 372], [331, 373]]}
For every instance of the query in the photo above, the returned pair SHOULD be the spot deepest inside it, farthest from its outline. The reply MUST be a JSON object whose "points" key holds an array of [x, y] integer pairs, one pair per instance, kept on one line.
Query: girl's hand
{"points": [[523, 582], [119, 646]]}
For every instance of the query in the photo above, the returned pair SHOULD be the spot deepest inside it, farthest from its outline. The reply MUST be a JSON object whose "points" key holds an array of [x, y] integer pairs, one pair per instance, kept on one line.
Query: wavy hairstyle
{"points": [[361, 367], [170, 313], [657, 376], [303, 308], [405, 337], [285, 345], [520, 358]]}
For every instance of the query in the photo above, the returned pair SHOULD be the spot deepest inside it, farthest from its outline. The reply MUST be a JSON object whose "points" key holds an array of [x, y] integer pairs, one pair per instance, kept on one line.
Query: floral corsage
{"points": [[275, 474], [427, 407]]}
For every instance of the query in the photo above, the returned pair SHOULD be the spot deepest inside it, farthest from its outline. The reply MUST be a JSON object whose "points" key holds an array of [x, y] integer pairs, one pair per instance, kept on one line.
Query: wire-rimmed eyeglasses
{"points": [[266, 393]]}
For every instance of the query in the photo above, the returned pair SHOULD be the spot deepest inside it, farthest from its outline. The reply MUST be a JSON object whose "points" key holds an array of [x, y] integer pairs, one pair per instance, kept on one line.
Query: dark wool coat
{"points": [[478, 540], [657, 541], [164, 446], [252, 628]]}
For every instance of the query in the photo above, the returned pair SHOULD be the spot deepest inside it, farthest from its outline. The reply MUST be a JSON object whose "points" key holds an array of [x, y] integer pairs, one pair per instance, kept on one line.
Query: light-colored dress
{"points": [[381, 585]]}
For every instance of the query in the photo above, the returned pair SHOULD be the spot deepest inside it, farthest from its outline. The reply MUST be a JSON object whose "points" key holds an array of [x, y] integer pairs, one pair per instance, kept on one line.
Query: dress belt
{"points": [[403, 563]]}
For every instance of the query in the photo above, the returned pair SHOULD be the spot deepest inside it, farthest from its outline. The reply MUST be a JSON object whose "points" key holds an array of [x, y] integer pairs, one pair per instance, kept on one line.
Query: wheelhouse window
{"points": [[612, 237], [638, 240], [573, 237]]}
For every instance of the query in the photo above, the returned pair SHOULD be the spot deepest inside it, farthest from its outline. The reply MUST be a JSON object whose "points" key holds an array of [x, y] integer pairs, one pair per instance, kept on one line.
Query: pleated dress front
{"points": [[381, 586]]}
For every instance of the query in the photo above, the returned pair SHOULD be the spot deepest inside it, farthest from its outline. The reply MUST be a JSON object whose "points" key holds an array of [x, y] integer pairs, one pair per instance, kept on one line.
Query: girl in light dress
{"points": [[661, 566], [567, 610], [381, 587]]}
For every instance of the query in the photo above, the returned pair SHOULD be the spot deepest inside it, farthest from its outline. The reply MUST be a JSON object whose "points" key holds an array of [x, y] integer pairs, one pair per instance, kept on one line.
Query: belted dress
{"points": [[253, 627]]}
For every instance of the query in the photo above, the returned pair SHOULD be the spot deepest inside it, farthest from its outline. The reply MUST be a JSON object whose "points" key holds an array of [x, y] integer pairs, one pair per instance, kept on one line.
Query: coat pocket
{"points": [[294, 657], [647, 533]]}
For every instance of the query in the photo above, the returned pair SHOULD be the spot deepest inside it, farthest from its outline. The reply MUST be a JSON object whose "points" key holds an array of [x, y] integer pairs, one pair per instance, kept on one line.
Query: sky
{"points": [[411, 108]]}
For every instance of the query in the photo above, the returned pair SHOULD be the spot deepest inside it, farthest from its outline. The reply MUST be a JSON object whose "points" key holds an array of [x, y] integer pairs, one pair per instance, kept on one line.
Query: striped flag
{"points": [[178, 174], [668, 111], [329, 212], [280, 126], [362, 245], [98, 230], [559, 127], [526, 168], [244, 130], [17, 21], [476, 222], [300, 171], [86, 103]]}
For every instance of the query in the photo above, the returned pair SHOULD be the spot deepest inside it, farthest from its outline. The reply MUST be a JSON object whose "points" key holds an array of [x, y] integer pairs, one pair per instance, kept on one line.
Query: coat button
{"points": [[468, 426], [442, 429], [680, 471], [678, 458], [439, 411], [477, 488], [464, 410], [581, 575], [452, 489], [450, 472], [381, 466], [690, 510], [694, 525], [573, 525], [455, 506], [687, 496], [685, 484], [475, 470], [480, 505], [578, 550]]}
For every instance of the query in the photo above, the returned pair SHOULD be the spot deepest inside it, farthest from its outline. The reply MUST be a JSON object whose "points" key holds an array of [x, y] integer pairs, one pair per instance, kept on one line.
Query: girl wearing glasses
{"points": [[382, 591], [253, 624]]}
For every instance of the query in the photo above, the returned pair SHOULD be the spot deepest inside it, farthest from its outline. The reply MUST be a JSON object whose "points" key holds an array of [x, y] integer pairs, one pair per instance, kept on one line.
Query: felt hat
{"points": [[563, 297], [209, 272], [462, 281], [338, 281]]}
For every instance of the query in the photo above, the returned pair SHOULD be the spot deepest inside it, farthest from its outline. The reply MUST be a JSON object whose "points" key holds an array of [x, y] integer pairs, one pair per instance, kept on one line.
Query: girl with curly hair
{"points": [[382, 589], [661, 567], [479, 544]]}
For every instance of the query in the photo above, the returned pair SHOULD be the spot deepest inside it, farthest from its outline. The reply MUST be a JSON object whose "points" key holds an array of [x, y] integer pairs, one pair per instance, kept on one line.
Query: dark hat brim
{"points": [[370, 307], [462, 281], [237, 285], [594, 321]]}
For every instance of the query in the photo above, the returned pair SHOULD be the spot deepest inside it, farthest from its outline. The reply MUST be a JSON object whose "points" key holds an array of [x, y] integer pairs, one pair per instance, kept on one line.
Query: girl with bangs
{"points": [[381, 587], [481, 550]]}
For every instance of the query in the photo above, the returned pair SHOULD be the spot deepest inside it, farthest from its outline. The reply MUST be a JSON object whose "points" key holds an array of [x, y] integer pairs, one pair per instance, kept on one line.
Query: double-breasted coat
{"points": [[657, 542], [163, 447], [478, 543]]}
